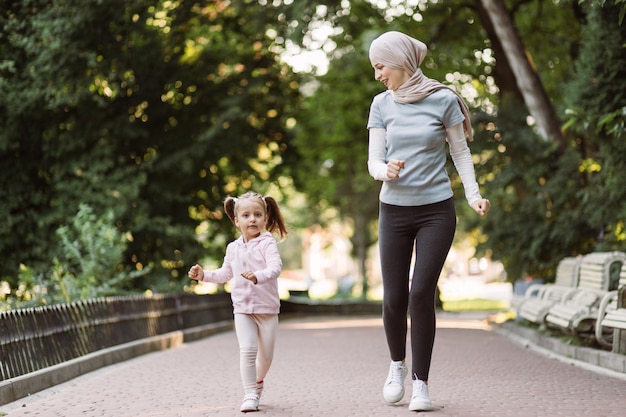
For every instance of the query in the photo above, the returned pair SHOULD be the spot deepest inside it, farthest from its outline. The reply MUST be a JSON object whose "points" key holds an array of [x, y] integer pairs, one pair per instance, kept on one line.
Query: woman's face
{"points": [[392, 78]]}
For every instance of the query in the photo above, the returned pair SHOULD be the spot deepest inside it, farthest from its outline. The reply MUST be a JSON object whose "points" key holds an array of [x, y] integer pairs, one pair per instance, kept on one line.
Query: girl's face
{"points": [[393, 78], [250, 217]]}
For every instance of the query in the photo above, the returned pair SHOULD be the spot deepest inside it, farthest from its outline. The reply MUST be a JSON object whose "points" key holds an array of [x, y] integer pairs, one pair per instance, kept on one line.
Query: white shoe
{"points": [[420, 400], [393, 391], [250, 403]]}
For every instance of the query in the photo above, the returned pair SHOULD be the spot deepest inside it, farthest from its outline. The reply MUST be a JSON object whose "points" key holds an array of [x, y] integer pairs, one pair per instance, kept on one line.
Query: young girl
{"points": [[254, 264]]}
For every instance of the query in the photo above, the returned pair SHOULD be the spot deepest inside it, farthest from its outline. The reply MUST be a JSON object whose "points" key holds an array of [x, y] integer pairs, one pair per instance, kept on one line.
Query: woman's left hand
{"points": [[481, 206]]}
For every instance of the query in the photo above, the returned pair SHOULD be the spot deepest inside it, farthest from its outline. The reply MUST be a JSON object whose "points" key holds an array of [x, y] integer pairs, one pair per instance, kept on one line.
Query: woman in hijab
{"points": [[409, 126]]}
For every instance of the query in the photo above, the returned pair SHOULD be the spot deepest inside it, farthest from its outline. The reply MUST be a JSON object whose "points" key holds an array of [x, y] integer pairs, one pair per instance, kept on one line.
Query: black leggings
{"points": [[430, 229]]}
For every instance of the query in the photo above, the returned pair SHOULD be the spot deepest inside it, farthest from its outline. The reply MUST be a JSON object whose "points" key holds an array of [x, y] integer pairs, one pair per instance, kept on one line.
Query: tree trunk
{"points": [[528, 82], [360, 243]]}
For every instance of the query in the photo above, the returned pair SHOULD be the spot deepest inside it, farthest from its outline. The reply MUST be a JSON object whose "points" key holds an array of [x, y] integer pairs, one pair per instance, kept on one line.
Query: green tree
{"points": [[541, 190], [557, 201], [57, 148], [154, 109], [331, 141], [596, 98]]}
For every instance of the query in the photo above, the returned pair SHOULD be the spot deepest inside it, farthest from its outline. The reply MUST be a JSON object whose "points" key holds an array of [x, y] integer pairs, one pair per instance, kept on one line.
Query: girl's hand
{"points": [[196, 272], [481, 206], [393, 168], [249, 275]]}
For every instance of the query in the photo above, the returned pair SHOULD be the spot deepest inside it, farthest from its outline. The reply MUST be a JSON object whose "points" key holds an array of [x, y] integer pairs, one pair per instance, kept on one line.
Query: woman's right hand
{"points": [[481, 206], [196, 272], [393, 168]]}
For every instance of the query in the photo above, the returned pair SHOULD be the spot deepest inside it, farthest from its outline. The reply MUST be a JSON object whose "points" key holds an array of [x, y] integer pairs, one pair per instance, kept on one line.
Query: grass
{"points": [[475, 305]]}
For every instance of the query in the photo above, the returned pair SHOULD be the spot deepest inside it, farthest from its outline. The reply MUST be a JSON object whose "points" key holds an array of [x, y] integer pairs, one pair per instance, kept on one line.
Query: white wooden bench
{"points": [[611, 318], [617, 320], [599, 276], [540, 297]]}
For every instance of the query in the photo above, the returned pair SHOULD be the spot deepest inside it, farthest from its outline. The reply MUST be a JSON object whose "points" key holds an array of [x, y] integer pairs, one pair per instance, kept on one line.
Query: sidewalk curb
{"points": [[597, 360], [22, 386]]}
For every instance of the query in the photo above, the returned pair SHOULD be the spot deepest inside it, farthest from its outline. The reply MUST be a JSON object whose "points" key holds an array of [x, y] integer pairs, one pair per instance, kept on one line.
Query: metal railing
{"points": [[35, 338]]}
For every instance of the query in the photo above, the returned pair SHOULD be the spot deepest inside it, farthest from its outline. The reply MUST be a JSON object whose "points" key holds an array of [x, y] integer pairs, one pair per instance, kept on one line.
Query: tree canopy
{"points": [[552, 198], [147, 114], [154, 109]]}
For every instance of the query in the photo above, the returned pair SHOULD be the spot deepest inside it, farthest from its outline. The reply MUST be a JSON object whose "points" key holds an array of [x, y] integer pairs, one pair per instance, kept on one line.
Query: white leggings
{"points": [[256, 334]]}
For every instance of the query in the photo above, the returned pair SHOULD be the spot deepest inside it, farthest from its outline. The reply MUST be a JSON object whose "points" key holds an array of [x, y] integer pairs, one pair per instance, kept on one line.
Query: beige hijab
{"points": [[397, 50]]}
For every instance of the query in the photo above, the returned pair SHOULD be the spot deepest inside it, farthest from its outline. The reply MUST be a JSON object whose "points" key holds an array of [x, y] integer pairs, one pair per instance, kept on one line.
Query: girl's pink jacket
{"points": [[259, 255]]}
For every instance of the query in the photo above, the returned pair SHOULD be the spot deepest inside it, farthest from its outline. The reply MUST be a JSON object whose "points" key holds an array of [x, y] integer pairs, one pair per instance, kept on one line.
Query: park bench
{"points": [[540, 297], [611, 320], [577, 313]]}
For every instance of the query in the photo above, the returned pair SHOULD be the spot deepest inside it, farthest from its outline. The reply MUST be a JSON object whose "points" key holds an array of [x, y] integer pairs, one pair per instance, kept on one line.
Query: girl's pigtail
{"points": [[275, 221], [229, 208]]}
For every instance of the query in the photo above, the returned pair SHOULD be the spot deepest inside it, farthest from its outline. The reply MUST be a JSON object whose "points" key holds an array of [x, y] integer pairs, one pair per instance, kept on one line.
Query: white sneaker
{"points": [[250, 403], [393, 391], [420, 400]]}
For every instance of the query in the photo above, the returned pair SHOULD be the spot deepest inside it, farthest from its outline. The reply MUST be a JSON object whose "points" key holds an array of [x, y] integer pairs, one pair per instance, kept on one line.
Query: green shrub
{"points": [[90, 267]]}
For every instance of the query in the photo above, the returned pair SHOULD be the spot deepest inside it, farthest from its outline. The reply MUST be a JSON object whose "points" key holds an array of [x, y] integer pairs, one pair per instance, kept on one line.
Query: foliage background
{"points": [[147, 114]]}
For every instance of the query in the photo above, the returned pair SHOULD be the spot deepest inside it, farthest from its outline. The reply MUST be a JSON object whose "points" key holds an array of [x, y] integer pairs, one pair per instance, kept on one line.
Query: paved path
{"points": [[336, 367]]}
